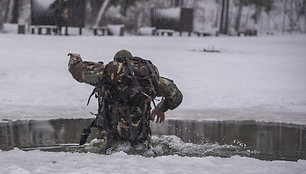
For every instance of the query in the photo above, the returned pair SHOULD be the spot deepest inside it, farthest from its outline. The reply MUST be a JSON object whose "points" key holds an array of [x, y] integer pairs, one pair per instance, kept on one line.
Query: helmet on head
{"points": [[122, 53]]}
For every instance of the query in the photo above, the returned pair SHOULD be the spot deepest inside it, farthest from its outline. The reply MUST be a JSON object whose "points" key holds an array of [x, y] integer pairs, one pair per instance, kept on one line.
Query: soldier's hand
{"points": [[74, 59], [73, 54], [159, 114]]}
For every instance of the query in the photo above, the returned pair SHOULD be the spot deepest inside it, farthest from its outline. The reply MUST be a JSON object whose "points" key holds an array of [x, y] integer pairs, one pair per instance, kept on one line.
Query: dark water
{"points": [[267, 141]]}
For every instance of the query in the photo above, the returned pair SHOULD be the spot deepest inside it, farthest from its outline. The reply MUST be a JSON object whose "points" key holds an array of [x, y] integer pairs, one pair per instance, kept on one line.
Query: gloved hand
{"points": [[159, 113]]}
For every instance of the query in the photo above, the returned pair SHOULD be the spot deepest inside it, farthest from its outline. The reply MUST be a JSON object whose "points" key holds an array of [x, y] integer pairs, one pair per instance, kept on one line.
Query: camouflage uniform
{"points": [[115, 106]]}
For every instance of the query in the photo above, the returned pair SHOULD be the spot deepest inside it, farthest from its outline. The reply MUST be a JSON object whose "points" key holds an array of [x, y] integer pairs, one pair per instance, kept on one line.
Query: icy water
{"points": [[266, 141]]}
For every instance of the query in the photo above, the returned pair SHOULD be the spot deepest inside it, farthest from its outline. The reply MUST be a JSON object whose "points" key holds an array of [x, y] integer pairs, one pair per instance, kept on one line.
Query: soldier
{"points": [[125, 88]]}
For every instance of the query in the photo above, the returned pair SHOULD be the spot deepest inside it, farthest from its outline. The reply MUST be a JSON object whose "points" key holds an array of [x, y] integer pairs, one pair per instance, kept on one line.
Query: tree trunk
{"points": [[238, 17], [15, 12], [257, 14], [304, 5], [25, 12], [6, 5], [101, 12], [2, 13], [284, 15], [217, 17], [222, 17], [9, 11], [226, 17]]}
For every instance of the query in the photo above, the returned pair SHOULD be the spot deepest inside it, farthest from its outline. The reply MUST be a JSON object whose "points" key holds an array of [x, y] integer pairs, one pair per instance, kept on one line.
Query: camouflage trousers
{"points": [[125, 122]]}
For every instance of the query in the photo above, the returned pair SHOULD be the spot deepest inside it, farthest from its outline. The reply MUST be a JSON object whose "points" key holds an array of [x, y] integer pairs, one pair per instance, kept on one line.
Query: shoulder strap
{"points": [[128, 62], [94, 91], [149, 65]]}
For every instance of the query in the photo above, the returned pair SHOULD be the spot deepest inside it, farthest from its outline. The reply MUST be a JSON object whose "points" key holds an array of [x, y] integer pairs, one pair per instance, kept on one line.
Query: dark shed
{"points": [[178, 19]]}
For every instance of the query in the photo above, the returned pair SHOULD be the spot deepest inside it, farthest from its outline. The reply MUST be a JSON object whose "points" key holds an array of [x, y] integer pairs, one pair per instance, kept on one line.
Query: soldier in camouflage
{"points": [[125, 118]]}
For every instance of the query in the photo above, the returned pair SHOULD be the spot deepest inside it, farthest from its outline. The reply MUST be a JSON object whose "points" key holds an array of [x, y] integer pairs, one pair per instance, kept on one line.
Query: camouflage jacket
{"points": [[97, 74]]}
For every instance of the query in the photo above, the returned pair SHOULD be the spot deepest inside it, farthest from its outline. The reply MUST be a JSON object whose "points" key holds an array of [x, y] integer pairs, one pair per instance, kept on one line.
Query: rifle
{"points": [[86, 132], [97, 122]]}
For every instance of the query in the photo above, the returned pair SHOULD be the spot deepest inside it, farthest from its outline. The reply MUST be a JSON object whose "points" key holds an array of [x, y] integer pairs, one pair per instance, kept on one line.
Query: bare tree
{"points": [[239, 13], [101, 12], [294, 12], [301, 13], [3, 11], [15, 11], [25, 12], [123, 4], [224, 17]]}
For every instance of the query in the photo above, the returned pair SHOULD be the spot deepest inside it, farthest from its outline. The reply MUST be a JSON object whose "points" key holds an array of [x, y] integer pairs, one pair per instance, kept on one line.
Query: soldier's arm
{"points": [[172, 95], [85, 72]]}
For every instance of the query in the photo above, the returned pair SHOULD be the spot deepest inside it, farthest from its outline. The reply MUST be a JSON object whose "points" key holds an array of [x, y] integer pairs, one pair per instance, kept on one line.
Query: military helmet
{"points": [[122, 53]]}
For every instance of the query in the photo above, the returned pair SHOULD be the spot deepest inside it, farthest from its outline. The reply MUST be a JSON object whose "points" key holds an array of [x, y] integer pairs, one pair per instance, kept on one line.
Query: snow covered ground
{"points": [[80, 163], [259, 78]]}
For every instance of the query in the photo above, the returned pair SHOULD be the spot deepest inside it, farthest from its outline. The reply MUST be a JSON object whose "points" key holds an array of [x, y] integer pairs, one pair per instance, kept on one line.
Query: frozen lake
{"points": [[252, 78]]}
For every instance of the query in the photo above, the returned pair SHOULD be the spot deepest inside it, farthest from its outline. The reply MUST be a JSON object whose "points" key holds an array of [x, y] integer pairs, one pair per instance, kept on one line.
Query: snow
{"points": [[146, 30], [78, 163], [260, 78], [45, 3]]}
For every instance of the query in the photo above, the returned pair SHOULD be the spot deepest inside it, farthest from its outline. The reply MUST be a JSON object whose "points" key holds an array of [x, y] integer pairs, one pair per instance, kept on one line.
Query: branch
{"points": [[101, 12]]}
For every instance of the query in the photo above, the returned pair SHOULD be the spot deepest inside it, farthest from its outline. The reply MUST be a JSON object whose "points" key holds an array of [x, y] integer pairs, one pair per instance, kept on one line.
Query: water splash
{"points": [[173, 145], [160, 146]]}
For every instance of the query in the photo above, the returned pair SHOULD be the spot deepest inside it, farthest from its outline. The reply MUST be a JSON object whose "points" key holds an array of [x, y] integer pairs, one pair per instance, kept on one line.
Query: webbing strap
{"points": [[92, 93], [128, 61], [149, 65], [152, 70], [127, 110]]}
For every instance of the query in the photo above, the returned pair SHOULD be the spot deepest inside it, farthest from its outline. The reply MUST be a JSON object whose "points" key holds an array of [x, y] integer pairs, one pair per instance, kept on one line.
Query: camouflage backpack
{"points": [[125, 94], [133, 79], [133, 84]]}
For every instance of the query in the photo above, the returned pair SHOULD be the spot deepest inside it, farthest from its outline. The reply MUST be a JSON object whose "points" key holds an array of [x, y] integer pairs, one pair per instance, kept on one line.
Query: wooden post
{"points": [[66, 30], [39, 30], [21, 29], [80, 30], [121, 31], [48, 32], [55, 30], [95, 31]]}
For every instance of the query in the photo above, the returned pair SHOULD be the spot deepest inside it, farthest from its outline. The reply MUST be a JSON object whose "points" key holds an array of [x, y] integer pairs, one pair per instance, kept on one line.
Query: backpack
{"points": [[129, 85], [132, 79]]}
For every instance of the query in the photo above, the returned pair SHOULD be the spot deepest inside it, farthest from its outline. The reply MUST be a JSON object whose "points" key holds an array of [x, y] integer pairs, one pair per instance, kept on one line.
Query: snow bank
{"points": [[146, 30], [17, 161]]}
